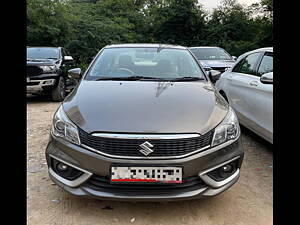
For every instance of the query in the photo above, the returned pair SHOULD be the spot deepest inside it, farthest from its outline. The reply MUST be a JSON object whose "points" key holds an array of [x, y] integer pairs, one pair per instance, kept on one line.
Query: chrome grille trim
{"points": [[127, 145], [147, 157], [145, 136]]}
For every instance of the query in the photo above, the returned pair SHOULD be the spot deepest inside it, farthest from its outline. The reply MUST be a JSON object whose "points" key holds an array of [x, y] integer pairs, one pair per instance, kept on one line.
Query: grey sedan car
{"points": [[215, 58], [144, 124]]}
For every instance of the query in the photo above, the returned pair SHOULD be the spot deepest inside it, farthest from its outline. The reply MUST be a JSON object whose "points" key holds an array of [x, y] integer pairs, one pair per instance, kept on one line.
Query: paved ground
{"points": [[250, 201]]}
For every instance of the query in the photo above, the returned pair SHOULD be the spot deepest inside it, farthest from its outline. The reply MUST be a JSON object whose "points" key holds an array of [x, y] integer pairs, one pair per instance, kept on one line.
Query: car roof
{"points": [[41, 47], [203, 47], [265, 49], [145, 45]]}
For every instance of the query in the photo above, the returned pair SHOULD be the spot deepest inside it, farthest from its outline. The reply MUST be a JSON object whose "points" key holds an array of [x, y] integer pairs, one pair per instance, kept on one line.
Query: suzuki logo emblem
{"points": [[146, 148]]}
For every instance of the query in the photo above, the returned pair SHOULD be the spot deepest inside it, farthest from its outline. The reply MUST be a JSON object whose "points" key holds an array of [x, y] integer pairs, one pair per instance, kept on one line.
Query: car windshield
{"points": [[151, 63], [210, 54], [42, 53]]}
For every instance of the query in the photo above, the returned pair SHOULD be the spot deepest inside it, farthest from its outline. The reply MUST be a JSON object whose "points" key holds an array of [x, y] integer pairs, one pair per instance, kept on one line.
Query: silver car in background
{"points": [[248, 87], [214, 58]]}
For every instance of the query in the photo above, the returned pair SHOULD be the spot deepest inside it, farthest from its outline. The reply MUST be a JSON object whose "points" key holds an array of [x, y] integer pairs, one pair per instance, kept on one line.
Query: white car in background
{"points": [[248, 87]]}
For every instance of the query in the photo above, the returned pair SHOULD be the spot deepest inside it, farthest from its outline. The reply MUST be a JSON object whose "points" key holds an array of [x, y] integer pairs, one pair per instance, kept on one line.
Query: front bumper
{"points": [[36, 86], [91, 163]]}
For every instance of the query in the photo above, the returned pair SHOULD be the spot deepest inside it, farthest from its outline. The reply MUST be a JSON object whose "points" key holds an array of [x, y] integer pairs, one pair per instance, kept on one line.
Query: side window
{"points": [[266, 64], [247, 65], [238, 66]]}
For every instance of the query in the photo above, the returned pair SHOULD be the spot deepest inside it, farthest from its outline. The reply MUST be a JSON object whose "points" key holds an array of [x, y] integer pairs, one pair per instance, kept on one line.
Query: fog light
{"points": [[225, 171], [227, 168], [62, 167], [65, 171]]}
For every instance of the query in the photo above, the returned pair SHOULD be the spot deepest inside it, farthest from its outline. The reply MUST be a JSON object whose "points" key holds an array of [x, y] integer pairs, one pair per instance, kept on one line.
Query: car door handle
{"points": [[253, 83]]}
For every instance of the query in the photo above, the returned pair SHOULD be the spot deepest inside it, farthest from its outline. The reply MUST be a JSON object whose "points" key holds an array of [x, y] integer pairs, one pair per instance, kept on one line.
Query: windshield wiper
{"points": [[126, 78], [187, 78]]}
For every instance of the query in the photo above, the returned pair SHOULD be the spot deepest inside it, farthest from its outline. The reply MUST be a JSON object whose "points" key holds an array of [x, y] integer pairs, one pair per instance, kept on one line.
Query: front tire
{"points": [[59, 92]]}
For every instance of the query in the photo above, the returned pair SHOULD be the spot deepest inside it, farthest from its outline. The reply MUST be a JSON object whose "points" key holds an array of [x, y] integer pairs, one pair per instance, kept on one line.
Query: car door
{"points": [[65, 66], [263, 113], [241, 80]]}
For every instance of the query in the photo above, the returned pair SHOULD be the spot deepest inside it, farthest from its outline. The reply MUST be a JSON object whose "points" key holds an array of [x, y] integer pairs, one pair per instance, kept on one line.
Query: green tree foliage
{"points": [[177, 22], [263, 13], [85, 26], [49, 23]]}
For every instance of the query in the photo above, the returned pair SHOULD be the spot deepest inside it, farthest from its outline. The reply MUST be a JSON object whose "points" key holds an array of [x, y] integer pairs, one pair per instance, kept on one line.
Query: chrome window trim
{"points": [[145, 136], [71, 183]]}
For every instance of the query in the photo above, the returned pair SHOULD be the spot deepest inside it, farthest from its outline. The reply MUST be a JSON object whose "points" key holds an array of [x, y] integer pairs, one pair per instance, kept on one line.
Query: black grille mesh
{"points": [[34, 71], [130, 147]]}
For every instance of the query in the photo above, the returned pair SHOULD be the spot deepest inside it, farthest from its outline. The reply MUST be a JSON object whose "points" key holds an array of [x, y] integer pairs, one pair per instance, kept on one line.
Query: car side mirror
{"points": [[267, 78], [234, 58], [68, 58], [74, 73], [214, 75]]}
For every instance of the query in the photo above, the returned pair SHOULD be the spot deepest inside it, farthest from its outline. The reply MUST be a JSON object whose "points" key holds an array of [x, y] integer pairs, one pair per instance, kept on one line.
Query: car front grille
{"points": [[169, 148], [34, 71], [102, 183], [32, 83]]}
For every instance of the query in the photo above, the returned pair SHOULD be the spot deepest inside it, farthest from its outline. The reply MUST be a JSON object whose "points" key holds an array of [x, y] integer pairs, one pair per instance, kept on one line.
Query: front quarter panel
{"points": [[221, 84]]}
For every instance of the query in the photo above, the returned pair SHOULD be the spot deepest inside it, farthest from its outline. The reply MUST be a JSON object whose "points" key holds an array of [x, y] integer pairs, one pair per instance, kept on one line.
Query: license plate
{"points": [[140, 174]]}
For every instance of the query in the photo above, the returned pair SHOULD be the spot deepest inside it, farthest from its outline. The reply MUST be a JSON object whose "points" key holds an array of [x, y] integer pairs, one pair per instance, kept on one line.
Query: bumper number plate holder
{"points": [[146, 174]]}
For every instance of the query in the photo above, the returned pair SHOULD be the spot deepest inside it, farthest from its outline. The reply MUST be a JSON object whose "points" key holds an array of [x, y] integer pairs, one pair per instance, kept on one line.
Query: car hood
{"points": [[145, 107], [217, 63]]}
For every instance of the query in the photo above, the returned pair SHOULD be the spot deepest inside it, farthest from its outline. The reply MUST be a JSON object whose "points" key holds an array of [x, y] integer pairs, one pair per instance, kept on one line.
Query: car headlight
{"points": [[47, 68], [63, 127], [228, 129]]}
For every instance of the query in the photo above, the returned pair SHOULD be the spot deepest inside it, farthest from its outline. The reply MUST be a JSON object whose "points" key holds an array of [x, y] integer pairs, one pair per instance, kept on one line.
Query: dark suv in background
{"points": [[47, 69]]}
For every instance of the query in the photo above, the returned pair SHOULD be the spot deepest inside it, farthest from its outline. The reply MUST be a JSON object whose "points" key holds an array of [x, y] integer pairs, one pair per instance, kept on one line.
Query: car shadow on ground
{"points": [[164, 211], [255, 139], [38, 99]]}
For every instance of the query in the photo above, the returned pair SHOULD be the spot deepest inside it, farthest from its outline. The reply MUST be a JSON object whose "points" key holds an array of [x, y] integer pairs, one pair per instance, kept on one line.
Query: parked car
{"points": [[47, 72], [248, 87], [144, 124], [213, 58]]}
